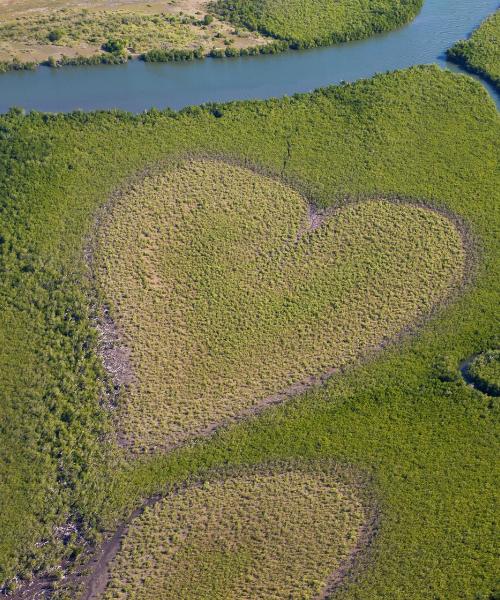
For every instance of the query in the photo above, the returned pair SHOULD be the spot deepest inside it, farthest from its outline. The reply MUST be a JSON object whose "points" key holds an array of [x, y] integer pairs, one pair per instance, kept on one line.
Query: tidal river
{"points": [[138, 86]]}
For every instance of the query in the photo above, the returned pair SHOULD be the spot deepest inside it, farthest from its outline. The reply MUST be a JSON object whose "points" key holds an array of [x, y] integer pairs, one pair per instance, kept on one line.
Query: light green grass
{"points": [[481, 52], [224, 298], [407, 418], [264, 535], [308, 23]]}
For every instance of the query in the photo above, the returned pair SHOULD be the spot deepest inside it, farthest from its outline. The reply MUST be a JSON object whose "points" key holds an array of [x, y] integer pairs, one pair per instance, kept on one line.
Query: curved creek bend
{"points": [[138, 86]]}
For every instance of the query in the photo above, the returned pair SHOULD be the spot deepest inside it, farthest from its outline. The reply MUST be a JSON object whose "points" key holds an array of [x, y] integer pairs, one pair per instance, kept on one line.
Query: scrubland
{"points": [[79, 35]]}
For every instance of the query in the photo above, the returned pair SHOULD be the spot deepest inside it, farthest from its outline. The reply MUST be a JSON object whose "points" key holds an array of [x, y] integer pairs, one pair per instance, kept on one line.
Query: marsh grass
{"points": [[268, 533], [225, 297]]}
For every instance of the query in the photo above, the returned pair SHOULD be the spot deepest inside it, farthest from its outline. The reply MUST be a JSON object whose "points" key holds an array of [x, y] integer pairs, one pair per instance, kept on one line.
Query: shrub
{"points": [[159, 55], [55, 35], [114, 46], [484, 372]]}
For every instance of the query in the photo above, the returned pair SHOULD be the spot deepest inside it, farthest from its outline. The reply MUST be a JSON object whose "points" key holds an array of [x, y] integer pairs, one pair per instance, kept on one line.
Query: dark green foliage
{"points": [[429, 440], [97, 59], [310, 23], [55, 35], [217, 53], [160, 55], [481, 52], [114, 46], [231, 52], [171, 55], [49, 406], [484, 372], [15, 65]]}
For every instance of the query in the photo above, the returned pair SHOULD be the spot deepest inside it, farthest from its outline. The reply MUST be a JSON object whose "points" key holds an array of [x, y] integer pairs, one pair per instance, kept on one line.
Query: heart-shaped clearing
{"points": [[226, 293], [261, 536]]}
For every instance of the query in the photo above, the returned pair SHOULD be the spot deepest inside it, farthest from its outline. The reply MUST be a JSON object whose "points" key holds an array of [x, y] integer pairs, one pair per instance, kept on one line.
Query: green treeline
{"points": [[16, 65], [310, 23], [228, 52], [481, 52]]}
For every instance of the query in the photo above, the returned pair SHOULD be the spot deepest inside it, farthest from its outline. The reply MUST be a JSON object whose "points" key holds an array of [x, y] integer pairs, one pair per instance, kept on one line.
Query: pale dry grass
{"points": [[85, 26], [222, 306], [15, 8], [270, 536]]}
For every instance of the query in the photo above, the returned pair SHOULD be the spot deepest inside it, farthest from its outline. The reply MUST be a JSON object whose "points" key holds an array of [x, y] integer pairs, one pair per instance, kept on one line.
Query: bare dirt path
{"points": [[96, 582]]}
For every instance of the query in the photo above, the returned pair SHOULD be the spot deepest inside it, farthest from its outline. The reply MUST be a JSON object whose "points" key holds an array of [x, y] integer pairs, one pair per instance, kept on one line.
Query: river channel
{"points": [[138, 86]]}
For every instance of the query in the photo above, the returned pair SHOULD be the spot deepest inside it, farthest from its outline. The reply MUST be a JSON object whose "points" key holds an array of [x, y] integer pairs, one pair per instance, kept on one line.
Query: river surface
{"points": [[138, 86]]}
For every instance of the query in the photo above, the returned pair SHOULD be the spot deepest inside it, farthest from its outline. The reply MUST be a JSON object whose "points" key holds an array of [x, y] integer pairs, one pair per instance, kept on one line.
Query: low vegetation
{"points": [[265, 535], [406, 418], [225, 297], [84, 36], [484, 371], [94, 34], [481, 52], [308, 23]]}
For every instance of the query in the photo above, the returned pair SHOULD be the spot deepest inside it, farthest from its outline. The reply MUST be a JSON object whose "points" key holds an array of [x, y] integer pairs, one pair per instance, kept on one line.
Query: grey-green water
{"points": [[137, 86]]}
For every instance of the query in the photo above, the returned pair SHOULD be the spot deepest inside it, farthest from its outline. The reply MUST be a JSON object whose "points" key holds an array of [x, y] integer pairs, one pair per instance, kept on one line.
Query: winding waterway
{"points": [[138, 86]]}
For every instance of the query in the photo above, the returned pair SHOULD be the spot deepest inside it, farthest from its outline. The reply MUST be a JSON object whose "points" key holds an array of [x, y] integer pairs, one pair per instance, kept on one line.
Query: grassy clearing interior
{"points": [[223, 303], [481, 52], [264, 535], [308, 23], [407, 418]]}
